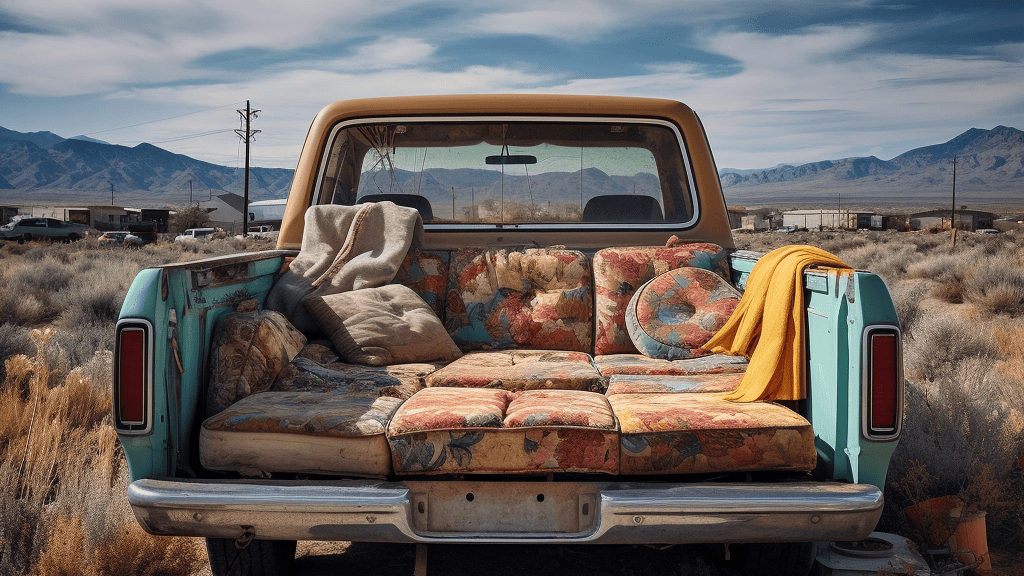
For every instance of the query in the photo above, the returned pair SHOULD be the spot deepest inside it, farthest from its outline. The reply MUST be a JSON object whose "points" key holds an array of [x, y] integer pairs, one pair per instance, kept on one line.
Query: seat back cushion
{"points": [[619, 272], [426, 272], [534, 298], [248, 351], [674, 314]]}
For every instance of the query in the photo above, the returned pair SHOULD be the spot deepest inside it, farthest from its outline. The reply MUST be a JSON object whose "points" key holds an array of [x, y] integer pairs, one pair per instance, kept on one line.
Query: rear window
{"points": [[513, 172]]}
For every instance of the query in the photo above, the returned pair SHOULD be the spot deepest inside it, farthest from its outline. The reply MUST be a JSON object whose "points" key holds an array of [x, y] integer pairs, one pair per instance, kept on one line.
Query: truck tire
{"points": [[259, 558], [73, 237], [24, 237], [779, 559]]}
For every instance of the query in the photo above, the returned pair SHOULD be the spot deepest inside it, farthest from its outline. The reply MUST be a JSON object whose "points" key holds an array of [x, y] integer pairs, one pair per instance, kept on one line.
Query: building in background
{"points": [[965, 219], [270, 212]]}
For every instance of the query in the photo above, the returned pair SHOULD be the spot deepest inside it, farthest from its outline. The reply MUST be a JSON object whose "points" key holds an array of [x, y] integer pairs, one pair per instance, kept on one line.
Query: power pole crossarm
{"points": [[247, 134]]}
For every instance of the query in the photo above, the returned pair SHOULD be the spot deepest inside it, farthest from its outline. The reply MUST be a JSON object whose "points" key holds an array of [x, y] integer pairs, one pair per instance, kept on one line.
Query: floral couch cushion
{"points": [[248, 351], [491, 430], [619, 272], [675, 313], [426, 272], [639, 364], [300, 432], [533, 298], [397, 380], [643, 384], [520, 370], [704, 433]]}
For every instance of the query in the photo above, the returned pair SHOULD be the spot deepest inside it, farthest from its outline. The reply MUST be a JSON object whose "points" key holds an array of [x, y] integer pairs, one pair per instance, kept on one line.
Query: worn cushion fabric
{"points": [[490, 430], [619, 272], [248, 351], [638, 364], [533, 298], [385, 325], [300, 432], [396, 380], [644, 384], [704, 433], [674, 314], [426, 272], [520, 370]]}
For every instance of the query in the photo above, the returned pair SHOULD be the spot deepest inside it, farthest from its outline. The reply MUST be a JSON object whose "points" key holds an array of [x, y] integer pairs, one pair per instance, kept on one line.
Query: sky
{"points": [[787, 81]]}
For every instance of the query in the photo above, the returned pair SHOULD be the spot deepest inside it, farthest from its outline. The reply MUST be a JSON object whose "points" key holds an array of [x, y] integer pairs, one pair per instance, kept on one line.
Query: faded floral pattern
{"points": [[532, 298], [472, 430], [639, 364], [620, 272], [677, 312], [307, 413], [396, 380], [644, 384], [520, 370], [702, 433], [426, 272], [248, 351]]}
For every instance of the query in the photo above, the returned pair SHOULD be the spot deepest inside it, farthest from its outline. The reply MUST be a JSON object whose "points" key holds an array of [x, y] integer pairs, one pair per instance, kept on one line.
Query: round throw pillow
{"points": [[674, 314]]}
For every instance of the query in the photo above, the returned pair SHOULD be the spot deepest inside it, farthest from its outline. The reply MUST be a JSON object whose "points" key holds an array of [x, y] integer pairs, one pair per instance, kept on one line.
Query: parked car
{"points": [[194, 234], [120, 238], [35, 228]]}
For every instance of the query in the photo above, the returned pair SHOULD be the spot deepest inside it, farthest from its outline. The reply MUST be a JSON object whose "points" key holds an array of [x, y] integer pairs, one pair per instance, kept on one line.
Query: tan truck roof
{"points": [[713, 225]]}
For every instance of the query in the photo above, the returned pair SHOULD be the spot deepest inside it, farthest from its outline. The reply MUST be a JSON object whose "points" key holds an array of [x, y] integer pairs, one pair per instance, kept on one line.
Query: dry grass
{"points": [[63, 477]]}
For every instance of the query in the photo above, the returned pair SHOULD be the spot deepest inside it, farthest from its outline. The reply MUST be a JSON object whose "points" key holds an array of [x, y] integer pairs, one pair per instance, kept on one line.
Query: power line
{"points": [[190, 136], [161, 119]]}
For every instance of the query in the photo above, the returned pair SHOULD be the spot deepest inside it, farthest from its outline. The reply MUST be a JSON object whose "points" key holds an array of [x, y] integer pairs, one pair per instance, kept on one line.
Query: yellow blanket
{"points": [[768, 325]]}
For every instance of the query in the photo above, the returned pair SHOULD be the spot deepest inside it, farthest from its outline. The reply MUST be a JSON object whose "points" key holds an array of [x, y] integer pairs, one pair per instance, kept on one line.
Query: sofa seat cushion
{"points": [[620, 272], [520, 370], [674, 314], [639, 364], [248, 351], [704, 433], [493, 431], [396, 380], [300, 432], [532, 298], [643, 384]]}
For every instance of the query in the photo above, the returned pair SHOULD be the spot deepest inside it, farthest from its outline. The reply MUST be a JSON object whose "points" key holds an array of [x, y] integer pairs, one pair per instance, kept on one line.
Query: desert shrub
{"points": [[907, 298], [13, 340], [194, 216], [997, 288], [942, 342]]}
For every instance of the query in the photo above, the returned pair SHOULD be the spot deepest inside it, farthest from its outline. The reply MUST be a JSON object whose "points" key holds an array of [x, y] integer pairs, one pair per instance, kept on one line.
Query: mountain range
{"points": [[990, 170], [39, 164]]}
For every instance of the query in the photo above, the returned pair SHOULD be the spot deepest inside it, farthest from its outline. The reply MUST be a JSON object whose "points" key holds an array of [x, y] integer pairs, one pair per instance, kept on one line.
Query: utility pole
{"points": [[247, 134], [189, 191], [952, 212], [111, 192]]}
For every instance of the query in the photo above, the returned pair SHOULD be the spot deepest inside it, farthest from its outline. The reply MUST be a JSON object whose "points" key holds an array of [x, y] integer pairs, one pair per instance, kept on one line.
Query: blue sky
{"points": [[789, 81]]}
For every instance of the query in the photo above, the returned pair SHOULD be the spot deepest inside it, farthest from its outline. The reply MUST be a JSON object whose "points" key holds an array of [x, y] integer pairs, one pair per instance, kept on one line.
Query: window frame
{"points": [[550, 226]]}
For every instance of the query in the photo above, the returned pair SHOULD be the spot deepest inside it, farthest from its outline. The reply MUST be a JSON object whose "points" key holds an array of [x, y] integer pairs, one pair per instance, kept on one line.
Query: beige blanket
{"points": [[345, 248]]}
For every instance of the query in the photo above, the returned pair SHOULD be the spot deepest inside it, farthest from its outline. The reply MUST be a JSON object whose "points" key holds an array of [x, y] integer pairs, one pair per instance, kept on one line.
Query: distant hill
{"points": [[990, 168], [44, 163]]}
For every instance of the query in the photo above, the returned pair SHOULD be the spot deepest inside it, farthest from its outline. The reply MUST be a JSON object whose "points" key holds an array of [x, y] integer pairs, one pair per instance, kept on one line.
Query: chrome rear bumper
{"points": [[508, 512]]}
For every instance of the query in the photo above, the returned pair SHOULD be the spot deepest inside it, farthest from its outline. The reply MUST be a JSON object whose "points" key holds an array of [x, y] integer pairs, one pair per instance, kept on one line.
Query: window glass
{"points": [[513, 172]]}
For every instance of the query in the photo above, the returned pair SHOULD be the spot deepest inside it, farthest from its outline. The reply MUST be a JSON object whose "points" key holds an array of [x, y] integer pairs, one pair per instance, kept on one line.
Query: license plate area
{"points": [[514, 509]]}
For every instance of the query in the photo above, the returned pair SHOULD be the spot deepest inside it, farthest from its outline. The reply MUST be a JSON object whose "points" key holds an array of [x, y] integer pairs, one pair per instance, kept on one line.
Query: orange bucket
{"points": [[933, 518], [970, 535]]}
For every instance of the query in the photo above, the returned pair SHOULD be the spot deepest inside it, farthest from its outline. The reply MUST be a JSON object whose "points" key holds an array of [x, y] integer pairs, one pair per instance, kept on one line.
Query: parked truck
{"points": [[568, 257]]}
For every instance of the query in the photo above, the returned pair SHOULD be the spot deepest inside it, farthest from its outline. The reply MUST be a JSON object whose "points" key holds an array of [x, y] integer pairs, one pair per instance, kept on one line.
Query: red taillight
{"points": [[131, 378], [884, 398]]}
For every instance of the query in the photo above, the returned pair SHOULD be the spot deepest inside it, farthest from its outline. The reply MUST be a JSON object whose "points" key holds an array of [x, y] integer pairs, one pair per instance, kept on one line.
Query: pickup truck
{"points": [[542, 239]]}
